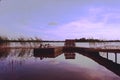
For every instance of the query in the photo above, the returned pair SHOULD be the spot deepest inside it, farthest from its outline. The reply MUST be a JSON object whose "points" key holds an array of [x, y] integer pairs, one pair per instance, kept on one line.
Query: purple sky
{"points": [[60, 19]]}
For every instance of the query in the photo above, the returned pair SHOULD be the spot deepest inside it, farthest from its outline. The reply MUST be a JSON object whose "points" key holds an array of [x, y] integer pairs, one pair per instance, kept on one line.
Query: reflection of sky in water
{"points": [[59, 68], [20, 64], [111, 56]]}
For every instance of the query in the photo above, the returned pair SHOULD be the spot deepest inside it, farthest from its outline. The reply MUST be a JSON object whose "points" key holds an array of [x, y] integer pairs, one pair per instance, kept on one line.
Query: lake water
{"points": [[22, 64]]}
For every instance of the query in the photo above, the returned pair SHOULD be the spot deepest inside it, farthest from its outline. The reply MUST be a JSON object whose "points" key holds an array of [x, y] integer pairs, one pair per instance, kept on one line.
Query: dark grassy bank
{"points": [[23, 39]]}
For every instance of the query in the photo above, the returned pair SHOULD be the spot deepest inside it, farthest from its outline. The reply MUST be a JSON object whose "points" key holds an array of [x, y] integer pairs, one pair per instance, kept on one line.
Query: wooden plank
{"points": [[77, 49]]}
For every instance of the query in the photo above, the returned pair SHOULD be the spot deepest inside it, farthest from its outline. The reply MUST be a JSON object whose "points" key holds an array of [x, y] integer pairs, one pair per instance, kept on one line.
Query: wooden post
{"points": [[107, 55], [70, 43], [115, 57]]}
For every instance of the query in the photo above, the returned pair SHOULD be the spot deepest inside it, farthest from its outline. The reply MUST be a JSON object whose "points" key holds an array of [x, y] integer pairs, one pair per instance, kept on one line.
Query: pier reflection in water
{"points": [[23, 64], [109, 64]]}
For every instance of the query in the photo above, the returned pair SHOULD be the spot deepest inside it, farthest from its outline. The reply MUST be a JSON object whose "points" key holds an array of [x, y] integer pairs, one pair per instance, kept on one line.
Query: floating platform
{"points": [[48, 50], [51, 52]]}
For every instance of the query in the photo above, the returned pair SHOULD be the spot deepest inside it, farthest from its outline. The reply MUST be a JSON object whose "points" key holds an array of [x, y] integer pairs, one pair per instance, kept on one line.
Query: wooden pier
{"points": [[70, 47], [77, 49]]}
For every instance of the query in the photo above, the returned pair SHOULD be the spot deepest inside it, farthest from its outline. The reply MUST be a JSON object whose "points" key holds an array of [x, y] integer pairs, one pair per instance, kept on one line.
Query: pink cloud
{"points": [[87, 27]]}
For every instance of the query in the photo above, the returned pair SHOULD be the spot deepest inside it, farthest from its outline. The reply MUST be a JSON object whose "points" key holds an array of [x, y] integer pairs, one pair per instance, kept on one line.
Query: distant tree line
{"points": [[87, 40], [36, 39], [94, 40]]}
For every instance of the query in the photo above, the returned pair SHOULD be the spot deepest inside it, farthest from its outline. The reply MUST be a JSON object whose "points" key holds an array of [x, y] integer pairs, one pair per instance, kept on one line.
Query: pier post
{"points": [[69, 49], [70, 43], [107, 55], [115, 57]]}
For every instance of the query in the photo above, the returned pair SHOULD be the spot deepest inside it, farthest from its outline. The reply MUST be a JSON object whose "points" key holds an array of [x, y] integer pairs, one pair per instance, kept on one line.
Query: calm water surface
{"points": [[22, 64]]}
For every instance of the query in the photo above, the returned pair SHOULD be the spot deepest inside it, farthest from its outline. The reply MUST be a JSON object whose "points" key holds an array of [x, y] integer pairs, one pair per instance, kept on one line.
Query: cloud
{"points": [[98, 23], [52, 23], [90, 26], [88, 18]]}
